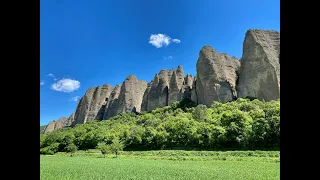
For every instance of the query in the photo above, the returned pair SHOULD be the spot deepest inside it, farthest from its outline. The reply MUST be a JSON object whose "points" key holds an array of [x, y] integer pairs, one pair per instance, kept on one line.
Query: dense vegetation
{"points": [[41, 129], [240, 124]]}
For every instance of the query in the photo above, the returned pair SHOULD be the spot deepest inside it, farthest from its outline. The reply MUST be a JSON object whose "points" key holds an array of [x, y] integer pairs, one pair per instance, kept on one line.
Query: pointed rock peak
{"points": [[163, 71], [156, 79], [179, 68], [171, 71], [188, 75], [131, 77], [107, 86], [174, 75], [207, 48]]}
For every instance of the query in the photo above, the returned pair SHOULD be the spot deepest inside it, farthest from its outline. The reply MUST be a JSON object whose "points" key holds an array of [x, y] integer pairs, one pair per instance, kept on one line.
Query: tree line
{"points": [[240, 124]]}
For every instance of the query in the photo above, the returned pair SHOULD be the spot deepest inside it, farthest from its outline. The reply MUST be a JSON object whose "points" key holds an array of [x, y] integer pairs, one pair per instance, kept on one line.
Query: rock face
{"points": [[92, 105], [159, 91], [131, 95], [219, 78], [176, 86], [216, 76], [50, 127], [60, 123], [260, 65], [110, 108]]}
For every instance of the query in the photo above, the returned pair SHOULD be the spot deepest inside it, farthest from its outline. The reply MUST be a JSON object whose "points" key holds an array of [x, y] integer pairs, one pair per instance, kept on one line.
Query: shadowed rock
{"points": [[131, 95], [216, 76], [260, 65], [110, 108], [91, 104]]}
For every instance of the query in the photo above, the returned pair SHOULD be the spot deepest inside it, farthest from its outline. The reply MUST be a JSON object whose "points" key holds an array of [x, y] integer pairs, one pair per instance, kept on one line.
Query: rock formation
{"points": [[131, 95], [216, 76], [219, 78], [110, 108], [260, 65], [158, 94], [92, 105], [60, 123]]}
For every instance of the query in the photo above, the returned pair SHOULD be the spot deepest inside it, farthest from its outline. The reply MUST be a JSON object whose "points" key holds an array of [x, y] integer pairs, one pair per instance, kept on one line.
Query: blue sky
{"points": [[87, 43]]}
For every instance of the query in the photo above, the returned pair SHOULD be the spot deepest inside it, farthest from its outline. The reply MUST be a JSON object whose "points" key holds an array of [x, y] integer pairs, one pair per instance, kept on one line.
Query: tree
{"points": [[104, 149], [116, 146], [71, 148], [199, 113]]}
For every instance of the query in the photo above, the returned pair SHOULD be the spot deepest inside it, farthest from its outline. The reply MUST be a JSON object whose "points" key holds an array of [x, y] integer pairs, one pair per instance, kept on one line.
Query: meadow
{"points": [[171, 164]]}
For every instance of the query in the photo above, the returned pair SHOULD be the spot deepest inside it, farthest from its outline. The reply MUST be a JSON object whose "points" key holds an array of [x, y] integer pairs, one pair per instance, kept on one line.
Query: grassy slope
{"points": [[156, 165]]}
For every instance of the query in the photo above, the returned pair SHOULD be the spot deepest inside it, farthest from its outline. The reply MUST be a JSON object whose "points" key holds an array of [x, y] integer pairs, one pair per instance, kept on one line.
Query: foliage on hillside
{"points": [[41, 129], [240, 124]]}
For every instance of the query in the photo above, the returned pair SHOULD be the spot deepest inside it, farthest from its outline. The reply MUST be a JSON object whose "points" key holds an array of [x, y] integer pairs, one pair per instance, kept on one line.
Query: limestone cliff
{"points": [[60, 123], [219, 78], [260, 65], [92, 105], [131, 95], [216, 76]]}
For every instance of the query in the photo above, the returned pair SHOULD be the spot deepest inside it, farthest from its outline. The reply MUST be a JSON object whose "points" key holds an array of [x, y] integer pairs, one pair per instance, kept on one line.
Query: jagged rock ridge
{"points": [[219, 78]]}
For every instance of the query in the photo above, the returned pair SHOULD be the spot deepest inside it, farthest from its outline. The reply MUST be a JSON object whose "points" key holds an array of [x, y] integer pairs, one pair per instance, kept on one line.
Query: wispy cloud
{"points": [[66, 85], [41, 83], [51, 75], [176, 41], [55, 79], [76, 98], [159, 40], [167, 57]]}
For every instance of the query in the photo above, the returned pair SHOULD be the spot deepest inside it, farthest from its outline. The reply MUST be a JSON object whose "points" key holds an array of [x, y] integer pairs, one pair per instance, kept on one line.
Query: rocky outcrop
{"points": [[50, 127], [174, 90], [60, 123], [260, 65], [194, 91], [187, 86], [131, 95], [216, 76], [219, 78], [158, 95], [92, 104], [110, 108], [144, 105]]}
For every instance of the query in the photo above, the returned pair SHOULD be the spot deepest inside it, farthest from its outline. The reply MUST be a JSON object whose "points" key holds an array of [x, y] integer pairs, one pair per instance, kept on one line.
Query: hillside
{"points": [[219, 78], [42, 128], [183, 125]]}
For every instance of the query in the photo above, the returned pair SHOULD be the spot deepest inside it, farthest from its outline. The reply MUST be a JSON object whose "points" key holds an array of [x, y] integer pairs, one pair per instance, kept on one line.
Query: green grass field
{"points": [[233, 165]]}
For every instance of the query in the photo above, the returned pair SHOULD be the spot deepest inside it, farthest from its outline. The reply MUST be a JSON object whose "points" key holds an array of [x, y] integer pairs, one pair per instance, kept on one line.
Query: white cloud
{"points": [[66, 85], [176, 41], [168, 57], [41, 83], [55, 79], [159, 40], [76, 98], [51, 75]]}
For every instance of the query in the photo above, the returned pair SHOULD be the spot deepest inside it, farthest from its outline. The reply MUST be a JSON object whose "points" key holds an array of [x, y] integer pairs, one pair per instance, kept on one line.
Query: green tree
{"points": [[71, 148], [199, 113], [104, 149], [116, 146]]}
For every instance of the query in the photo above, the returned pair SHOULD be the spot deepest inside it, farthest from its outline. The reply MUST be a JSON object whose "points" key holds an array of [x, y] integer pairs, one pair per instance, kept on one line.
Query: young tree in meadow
{"points": [[104, 149], [71, 148], [116, 146]]}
